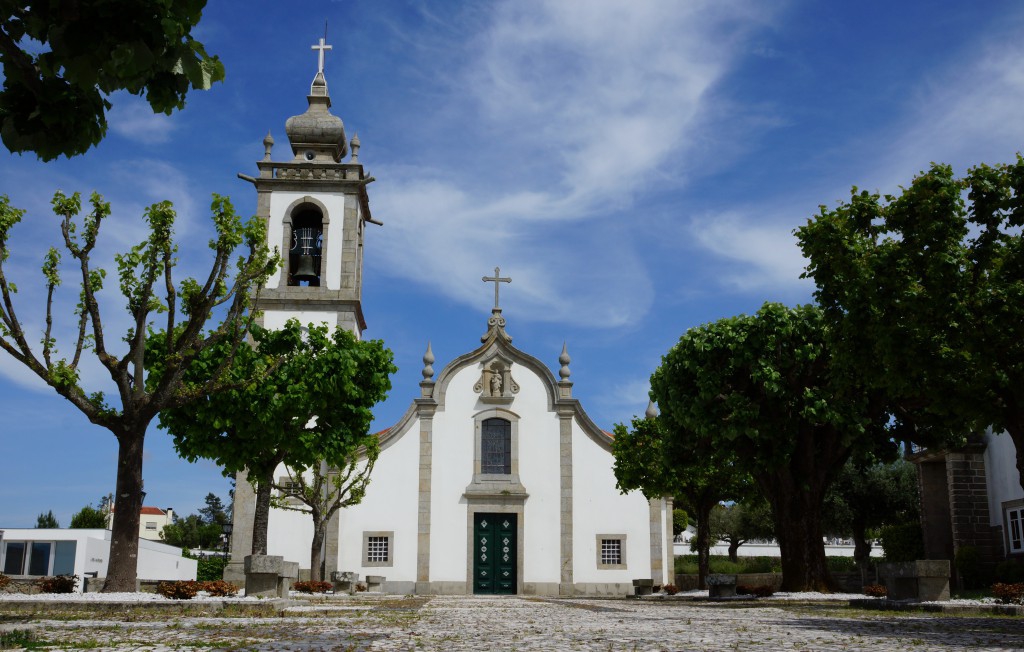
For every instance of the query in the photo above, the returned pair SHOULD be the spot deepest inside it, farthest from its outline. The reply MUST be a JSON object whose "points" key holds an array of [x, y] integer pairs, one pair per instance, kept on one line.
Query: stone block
{"points": [[643, 586], [923, 580], [263, 564], [374, 582], [721, 585]]}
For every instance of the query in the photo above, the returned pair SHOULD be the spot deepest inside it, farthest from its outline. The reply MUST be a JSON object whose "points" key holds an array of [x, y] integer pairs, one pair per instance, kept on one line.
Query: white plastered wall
{"points": [[599, 508], [335, 203], [275, 319], [390, 505], [1001, 474]]}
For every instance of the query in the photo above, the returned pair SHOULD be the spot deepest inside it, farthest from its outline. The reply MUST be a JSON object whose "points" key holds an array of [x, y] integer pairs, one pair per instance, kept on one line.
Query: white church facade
{"points": [[494, 480]]}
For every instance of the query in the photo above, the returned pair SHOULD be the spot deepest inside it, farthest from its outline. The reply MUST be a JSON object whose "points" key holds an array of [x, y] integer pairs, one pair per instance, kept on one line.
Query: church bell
{"points": [[305, 254]]}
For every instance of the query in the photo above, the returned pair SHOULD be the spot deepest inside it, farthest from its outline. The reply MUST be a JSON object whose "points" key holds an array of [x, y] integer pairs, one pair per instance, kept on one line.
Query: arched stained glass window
{"points": [[496, 446]]}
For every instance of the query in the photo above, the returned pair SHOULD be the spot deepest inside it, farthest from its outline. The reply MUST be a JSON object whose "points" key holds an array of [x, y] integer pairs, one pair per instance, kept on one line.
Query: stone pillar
{"points": [[657, 540], [565, 419], [937, 528], [331, 550], [425, 410], [968, 500], [243, 513]]}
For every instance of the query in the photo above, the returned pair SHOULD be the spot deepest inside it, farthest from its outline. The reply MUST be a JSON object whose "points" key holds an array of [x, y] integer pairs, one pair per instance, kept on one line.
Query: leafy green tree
{"points": [[214, 512], [741, 522], [325, 491], [190, 532], [145, 275], [924, 296], [47, 520], [680, 519], [761, 386], [89, 518], [647, 459], [311, 406], [869, 495], [63, 58]]}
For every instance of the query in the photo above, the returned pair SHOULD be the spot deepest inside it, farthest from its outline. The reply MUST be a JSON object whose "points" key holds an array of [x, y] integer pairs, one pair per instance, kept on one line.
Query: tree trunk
{"points": [[123, 566], [261, 519], [316, 550], [734, 546], [798, 525], [703, 543], [861, 545]]}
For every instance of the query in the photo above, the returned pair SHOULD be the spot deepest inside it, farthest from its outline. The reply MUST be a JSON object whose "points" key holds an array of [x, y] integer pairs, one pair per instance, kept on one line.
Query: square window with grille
{"points": [[611, 552], [377, 550]]}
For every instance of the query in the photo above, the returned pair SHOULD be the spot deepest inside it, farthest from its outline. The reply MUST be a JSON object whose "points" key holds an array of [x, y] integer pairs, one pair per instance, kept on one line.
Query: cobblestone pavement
{"points": [[523, 623]]}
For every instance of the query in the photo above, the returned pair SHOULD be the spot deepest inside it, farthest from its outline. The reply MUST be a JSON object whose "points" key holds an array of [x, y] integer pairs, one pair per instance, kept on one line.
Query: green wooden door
{"points": [[494, 554]]}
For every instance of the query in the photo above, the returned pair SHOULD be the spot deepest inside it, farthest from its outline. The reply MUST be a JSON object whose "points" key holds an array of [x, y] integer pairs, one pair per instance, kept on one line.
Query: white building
{"points": [[36, 552], [152, 521], [495, 480]]}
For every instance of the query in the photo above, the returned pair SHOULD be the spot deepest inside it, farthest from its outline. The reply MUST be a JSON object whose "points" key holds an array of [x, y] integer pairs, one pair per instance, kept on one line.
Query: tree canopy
{"points": [[311, 404], [761, 386], [742, 522], [89, 518], [146, 279], [47, 520], [923, 293], [63, 58]]}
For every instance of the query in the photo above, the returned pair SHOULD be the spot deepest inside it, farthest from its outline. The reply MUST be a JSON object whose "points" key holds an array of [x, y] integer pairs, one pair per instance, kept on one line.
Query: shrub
{"points": [[670, 589], [312, 586], [1009, 572], [4, 581], [902, 542], [875, 590], [180, 590], [219, 588], [58, 584], [760, 591], [360, 588], [969, 568], [1009, 593], [841, 564]]}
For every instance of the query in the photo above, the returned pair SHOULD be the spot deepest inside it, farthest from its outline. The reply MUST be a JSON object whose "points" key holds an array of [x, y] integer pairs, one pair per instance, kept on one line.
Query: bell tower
{"points": [[316, 208]]}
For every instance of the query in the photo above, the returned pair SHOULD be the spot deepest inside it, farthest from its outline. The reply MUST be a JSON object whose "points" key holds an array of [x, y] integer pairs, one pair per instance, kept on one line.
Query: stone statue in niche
{"points": [[496, 383]]}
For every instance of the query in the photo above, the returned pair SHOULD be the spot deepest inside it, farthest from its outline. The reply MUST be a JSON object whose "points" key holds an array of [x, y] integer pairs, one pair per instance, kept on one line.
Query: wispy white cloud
{"points": [[626, 116], [132, 118]]}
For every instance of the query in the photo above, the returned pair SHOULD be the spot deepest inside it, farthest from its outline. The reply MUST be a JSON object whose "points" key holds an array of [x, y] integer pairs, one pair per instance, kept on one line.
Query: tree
{"points": [[190, 532], [88, 518], [47, 520], [646, 459], [146, 281], [313, 407], [327, 491], [924, 296], [214, 512], [741, 522], [61, 60], [761, 386], [869, 495]]}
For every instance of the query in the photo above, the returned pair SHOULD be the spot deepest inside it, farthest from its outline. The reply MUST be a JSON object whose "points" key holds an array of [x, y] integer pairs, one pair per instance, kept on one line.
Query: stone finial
{"points": [[428, 361], [268, 144], [355, 148], [652, 410], [564, 360]]}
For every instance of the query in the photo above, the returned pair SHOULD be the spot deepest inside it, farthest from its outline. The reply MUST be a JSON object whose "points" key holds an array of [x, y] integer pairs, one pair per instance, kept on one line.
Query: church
{"points": [[495, 480]]}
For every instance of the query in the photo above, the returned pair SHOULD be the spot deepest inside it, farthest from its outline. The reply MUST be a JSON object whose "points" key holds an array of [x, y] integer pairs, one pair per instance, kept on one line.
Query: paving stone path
{"points": [[522, 623]]}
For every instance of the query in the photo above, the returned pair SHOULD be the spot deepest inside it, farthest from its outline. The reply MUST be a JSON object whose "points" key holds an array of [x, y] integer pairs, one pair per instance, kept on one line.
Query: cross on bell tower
{"points": [[497, 279]]}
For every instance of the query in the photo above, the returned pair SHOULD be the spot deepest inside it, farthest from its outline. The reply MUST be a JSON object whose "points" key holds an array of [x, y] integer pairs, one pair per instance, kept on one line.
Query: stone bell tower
{"points": [[316, 208]]}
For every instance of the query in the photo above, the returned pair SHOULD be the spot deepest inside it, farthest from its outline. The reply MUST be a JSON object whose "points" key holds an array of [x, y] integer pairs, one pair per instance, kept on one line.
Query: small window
{"points": [[611, 551], [39, 562], [151, 526], [1015, 528], [496, 447], [377, 548]]}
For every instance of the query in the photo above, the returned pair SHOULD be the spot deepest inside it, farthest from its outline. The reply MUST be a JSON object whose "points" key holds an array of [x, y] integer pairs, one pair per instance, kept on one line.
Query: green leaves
{"points": [[61, 60]]}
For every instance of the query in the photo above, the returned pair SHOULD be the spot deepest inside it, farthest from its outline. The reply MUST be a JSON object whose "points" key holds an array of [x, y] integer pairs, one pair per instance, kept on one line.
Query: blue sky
{"points": [[637, 167]]}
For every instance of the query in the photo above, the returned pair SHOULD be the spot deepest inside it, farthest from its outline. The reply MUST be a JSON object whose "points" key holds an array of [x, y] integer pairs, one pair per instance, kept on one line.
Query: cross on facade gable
{"points": [[322, 46], [496, 279]]}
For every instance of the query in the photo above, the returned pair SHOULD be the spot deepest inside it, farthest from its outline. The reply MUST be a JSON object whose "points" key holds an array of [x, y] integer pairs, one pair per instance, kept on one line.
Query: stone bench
{"points": [[721, 585], [269, 575], [643, 587], [344, 581], [374, 582], [922, 580]]}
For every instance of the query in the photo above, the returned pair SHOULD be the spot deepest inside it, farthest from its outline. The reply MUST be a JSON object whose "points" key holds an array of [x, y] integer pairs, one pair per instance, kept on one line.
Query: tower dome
{"points": [[317, 134]]}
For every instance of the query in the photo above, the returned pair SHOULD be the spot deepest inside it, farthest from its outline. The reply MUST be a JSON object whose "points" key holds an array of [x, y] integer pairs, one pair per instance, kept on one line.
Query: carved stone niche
{"points": [[496, 385]]}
